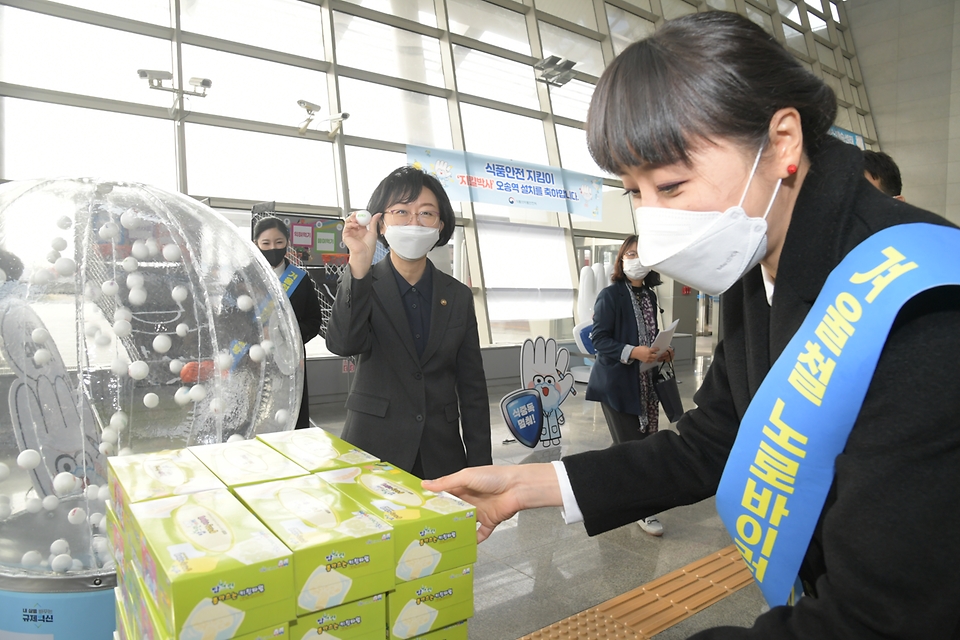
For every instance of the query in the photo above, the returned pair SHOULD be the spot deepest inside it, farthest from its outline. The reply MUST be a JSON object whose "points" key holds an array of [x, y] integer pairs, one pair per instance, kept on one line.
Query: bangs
{"points": [[403, 186]]}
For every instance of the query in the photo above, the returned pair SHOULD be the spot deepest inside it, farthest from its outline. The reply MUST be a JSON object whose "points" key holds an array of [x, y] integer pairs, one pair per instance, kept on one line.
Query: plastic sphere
{"points": [[282, 416], [109, 231], [130, 264], [41, 278], [129, 219], [76, 565], [198, 393], [31, 559], [151, 400], [76, 516], [65, 266], [29, 459], [4, 471], [171, 252], [162, 343], [119, 366], [176, 366], [152, 247], [62, 563], [104, 493], [58, 243], [33, 505], [256, 353], [182, 330], [137, 296], [122, 313], [40, 335], [245, 303], [101, 339], [53, 256], [110, 435], [138, 370], [110, 288], [224, 361], [106, 449], [134, 280], [65, 222], [236, 438], [139, 250], [179, 294], [42, 357], [182, 396], [122, 328], [91, 492], [267, 346], [216, 405], [119, 421], [64, 482], [126, 451], [363, 217], [50, 503]]}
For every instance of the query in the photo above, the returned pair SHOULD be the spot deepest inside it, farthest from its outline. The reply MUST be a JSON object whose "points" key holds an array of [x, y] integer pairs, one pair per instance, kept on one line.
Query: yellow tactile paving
{"points": [[651, 608]]}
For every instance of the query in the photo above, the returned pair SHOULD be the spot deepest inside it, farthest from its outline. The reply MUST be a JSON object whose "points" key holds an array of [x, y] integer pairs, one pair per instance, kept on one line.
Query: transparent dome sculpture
{"points": [[131, 320]]}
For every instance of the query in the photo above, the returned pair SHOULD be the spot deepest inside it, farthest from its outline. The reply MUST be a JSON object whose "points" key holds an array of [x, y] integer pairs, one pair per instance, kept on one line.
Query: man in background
{"points": [[883, 173]]}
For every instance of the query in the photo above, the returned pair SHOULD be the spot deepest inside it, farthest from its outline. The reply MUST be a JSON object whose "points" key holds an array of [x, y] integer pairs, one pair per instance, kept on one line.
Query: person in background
{"points": [[883, 173], [272, 236], [722, 137], [624, 326], [419, 397]]}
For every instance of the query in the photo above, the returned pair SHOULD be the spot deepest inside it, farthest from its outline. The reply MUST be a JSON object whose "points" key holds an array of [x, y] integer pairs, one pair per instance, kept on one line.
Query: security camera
{"points": [[309, 106], [154, 75], [204, 83]]}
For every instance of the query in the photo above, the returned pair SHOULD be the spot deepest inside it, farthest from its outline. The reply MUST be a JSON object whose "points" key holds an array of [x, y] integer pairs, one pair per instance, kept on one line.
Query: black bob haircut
{"points": [[403, 186], [884, 170], [699, 78], [270, 222]]}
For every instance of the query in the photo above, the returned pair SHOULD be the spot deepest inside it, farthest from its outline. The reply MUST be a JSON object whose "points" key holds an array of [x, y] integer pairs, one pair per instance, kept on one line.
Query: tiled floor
{"points": [[535, 570]]}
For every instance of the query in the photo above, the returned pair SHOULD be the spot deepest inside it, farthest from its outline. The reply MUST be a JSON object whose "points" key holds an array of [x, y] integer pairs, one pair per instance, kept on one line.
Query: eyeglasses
{"points": [[425, 218], [631, 255]]}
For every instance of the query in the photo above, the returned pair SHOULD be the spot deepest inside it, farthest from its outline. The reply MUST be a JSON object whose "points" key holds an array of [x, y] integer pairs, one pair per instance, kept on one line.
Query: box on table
{"points": [[456, 631], [340, 551], [213, 569], [361, 620], [316, 450], [123, 631], [120, 541], [148, 476], [246, 462], [431, 531], [439, 600]]}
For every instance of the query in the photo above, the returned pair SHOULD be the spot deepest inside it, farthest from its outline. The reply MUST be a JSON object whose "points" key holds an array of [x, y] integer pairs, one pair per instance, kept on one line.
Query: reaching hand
{"points": [[645, 354], [361, 242]]}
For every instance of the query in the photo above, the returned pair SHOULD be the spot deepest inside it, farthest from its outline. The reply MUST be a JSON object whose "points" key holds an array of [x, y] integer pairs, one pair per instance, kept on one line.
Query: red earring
{"points": [[792, 169]]}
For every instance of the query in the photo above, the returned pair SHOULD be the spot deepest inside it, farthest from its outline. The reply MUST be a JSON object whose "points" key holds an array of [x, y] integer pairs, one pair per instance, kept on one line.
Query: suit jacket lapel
{"points": [[385, 286], [441, 306]]}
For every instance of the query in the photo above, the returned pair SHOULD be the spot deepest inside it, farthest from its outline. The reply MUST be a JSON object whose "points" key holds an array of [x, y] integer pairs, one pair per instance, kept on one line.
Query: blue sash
{"points": [[291, 278], [781, 466]]}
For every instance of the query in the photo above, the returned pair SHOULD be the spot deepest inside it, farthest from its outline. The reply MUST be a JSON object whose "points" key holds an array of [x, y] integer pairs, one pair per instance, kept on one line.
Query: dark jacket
{"points": [[883, 558], [400, 404], [615, 325], [306, 307]]}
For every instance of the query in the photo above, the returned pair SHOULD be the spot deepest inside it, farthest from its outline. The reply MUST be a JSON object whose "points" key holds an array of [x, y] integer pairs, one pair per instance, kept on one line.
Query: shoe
{"points": [[651, 525]]}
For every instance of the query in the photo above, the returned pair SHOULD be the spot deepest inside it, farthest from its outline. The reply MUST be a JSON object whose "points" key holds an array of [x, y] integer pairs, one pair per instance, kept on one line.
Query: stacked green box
{"points": [[431, 532], [340, 552], [456, 631], [361, 620], [432, 602], [211, 567], [246, 462], [316, 450]]}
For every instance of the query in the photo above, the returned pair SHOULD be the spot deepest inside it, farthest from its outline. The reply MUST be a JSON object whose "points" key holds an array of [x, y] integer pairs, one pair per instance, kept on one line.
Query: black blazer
{"points": [[399, 403], [883, 558], [615, 325], [306, 306]]}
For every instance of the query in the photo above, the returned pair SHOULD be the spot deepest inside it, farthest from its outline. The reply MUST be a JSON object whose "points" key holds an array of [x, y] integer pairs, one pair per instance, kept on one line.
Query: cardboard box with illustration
{"points": [[246, 462], [419, 606], [361, 620], [316, 450]]}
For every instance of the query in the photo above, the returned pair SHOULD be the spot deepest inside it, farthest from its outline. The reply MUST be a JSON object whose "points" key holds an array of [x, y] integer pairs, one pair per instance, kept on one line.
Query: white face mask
{"points": [[411, 242], [634, 270], [707, 250]]}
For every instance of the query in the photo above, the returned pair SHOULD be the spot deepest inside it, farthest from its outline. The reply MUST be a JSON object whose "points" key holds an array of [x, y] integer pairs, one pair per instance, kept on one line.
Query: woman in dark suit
{"points": [[419, 398], [272, 236], [624, 326]]}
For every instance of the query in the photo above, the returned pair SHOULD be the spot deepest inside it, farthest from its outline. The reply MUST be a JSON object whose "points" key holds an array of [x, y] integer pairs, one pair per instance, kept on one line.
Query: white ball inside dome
{"points": [[171, 252], [50, 503], [138, 370], [110, 288], [176, 366], [137, 296], [53, 256], [90, 329], [122, 328], [31, 559], [139, 250], [104, 493], [42, 357], [4, 472], [162, 343], [282, 416], [363, 217], [106, 449], [119, 366], [126, 451], [65, 222], [58, 244], [109, 231], [102, 339], [236, 438], [224, 361], [134, 280], [62, 563], [151, 400], [109, 434], [179, 293], [183, 329], [256, 353], [77, 565], [216, 405], [119, 420], [152, 247], [91, 492], [122, 313], [64, 482], [182, 396], [65, 266], [95, 519], [40, 335], [267, 346], [33, 505], [41, 277], [59, 546], [129, 219], [130, 264], [198, 392], [76, 516], [29, 459], [245, 303]]}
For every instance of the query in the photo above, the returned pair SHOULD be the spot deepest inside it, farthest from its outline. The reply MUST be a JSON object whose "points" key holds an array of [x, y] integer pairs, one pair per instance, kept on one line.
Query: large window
{"points": [[377, 47]]}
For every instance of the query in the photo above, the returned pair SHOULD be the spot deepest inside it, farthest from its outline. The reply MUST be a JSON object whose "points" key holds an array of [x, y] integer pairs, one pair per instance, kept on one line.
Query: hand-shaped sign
{"points": [[533, 412]]}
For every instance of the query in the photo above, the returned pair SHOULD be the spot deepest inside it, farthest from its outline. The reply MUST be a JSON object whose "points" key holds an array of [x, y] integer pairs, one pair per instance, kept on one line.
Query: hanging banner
{"points": [[471, 177]]}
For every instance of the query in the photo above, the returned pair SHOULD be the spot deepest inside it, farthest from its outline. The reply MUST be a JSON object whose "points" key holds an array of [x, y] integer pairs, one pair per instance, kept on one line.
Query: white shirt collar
{"points": [[767, 284]]}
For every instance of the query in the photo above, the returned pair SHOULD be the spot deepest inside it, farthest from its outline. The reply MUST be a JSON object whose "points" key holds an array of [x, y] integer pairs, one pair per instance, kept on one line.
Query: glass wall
{"points": [[439, 73]]}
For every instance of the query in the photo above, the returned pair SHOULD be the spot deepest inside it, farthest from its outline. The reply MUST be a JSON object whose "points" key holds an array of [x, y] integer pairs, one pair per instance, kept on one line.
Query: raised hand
{"points": [[361, 241]]}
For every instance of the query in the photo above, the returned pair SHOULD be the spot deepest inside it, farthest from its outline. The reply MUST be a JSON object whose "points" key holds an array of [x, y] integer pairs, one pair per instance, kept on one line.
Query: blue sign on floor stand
{"points": [[87, 615]]}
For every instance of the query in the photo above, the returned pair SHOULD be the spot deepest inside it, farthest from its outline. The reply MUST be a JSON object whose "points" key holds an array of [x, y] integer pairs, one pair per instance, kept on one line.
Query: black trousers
{"points": [[623, 426]]}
